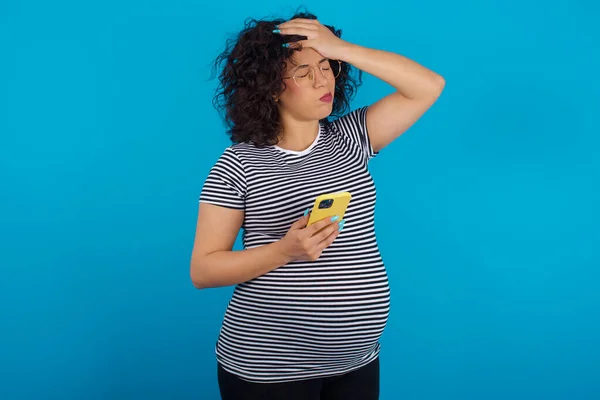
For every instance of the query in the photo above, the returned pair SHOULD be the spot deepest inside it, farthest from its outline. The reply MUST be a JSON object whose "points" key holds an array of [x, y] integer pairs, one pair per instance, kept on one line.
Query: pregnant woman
{"points": [[310, 302]]}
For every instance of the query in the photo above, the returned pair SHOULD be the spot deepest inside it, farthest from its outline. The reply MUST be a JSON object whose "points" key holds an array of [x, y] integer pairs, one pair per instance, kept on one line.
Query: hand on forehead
{"points": [[307, 56]]}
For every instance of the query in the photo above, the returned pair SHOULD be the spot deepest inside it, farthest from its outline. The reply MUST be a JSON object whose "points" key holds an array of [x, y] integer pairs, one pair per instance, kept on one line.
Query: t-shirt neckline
{"points": [[305, 151]]}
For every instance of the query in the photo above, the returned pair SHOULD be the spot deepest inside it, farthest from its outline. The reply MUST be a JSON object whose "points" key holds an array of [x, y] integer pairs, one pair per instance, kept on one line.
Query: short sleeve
{"points": [[225, 184], [354, 125]]}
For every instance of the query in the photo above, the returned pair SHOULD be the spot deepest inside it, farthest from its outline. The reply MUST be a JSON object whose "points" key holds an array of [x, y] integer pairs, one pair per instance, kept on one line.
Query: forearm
{"points": [[411, 79], [226, 268]]}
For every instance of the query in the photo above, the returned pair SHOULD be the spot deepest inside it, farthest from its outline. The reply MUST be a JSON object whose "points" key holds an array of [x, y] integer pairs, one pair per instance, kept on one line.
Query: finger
{"points": [[296, 22], [304, 20], [299, 31], [328, 240], [300, 21], [317, 226], [301, 223], [322, 235]]}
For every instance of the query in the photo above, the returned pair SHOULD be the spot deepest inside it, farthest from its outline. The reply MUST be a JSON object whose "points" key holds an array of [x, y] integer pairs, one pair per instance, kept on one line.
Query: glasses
{"points": [[305, 75]]}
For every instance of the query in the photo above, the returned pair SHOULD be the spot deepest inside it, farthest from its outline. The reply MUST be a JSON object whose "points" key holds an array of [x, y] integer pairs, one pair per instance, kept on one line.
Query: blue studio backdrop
{"points": [[488, 209]]}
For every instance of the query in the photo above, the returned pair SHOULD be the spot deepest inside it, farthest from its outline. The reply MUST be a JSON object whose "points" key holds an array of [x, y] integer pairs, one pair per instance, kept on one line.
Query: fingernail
{"points": [[341, 225], [286, 45], [276, 30], [306, 212], [333, 219]]}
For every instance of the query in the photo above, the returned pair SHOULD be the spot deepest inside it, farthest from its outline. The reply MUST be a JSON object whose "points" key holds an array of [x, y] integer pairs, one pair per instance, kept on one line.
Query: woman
{"points": [[310, 302]]}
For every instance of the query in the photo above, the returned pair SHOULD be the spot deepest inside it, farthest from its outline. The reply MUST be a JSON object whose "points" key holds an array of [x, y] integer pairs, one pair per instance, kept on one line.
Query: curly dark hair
{"points": [[252, 77]]}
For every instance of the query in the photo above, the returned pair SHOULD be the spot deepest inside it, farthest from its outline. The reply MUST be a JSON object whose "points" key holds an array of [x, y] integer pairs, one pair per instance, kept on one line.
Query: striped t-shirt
{"points": [[305, 319]]}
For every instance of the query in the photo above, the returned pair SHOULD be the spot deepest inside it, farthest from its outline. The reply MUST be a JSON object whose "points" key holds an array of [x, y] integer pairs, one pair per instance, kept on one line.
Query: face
{"points": [[308, 78]]}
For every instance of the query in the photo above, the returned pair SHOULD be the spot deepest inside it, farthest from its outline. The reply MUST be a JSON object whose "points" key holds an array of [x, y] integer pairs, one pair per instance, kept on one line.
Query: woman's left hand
{"points": [[319, 37]]}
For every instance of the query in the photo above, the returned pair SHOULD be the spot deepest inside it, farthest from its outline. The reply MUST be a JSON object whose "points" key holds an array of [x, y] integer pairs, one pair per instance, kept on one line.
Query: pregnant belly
{"points": [[348, 308]]}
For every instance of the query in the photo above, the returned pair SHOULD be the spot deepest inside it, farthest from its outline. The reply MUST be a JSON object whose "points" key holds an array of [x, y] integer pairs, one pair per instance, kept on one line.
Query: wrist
{"points": [[349, 52], [280, 254]]}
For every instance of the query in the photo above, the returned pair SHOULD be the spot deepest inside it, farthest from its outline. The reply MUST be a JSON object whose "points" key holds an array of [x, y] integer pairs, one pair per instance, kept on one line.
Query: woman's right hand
{"points": [[303, 242]]}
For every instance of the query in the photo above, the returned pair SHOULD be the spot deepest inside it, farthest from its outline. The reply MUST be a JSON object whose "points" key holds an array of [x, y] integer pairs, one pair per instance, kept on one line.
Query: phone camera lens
{"points": [[326, 203]]}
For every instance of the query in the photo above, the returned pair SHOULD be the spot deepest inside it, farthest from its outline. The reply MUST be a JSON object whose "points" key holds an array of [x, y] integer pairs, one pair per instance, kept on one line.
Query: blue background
{"points": [[488, 213]]}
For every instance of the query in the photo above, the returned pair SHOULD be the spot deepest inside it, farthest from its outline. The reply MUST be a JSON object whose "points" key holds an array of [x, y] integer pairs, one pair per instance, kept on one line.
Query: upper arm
{"points": [[221, 206], [373, 127], [216, 229], [392, 115]]}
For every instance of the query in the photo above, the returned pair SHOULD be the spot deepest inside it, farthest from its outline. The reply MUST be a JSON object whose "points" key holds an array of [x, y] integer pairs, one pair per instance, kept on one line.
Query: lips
{"points": [[327, 98]]}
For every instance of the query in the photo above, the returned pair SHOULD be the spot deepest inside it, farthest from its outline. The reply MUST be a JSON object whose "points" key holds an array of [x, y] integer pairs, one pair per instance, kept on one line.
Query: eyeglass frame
{"points": [[314, 73]]}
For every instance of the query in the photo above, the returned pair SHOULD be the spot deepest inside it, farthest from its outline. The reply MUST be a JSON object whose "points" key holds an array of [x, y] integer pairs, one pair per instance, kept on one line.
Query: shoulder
{"points": [[229, 156], [249, 154], [355, 119], [238, 152], [353, 127]]}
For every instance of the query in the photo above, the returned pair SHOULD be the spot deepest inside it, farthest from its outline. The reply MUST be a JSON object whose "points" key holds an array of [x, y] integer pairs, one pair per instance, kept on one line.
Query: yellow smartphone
{"points": [[328, 205]]}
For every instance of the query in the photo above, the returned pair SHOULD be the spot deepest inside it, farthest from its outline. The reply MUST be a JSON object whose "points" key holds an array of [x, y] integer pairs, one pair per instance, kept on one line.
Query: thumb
{"points": [[301, 223]]}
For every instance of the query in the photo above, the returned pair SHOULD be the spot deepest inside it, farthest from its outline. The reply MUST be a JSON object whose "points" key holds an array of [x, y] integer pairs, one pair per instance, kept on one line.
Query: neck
{"points": [[298, 135]]}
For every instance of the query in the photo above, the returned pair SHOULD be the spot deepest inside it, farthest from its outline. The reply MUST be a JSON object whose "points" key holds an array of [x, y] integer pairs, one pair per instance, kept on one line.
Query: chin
{"points": [[324, 112], [317, 113]]}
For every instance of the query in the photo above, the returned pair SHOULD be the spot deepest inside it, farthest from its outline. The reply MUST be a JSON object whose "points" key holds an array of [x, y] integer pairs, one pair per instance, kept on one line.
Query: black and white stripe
{"points": [[304, 319]]}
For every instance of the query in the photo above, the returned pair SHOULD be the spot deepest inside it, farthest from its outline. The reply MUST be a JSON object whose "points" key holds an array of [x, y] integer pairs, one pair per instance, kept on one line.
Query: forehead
{"points": [[307, 56]]}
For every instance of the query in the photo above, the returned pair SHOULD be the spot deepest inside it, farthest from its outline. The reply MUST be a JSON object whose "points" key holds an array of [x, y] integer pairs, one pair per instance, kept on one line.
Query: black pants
{"points": [[361, 384]]}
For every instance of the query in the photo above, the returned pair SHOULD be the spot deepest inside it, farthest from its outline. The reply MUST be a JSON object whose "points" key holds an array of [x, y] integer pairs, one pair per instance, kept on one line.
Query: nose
{"points": [[319, 78]]}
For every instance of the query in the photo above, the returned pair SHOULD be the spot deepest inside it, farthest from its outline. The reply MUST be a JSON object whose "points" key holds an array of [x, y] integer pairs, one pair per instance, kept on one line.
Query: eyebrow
{"points": [[306, 65]]}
